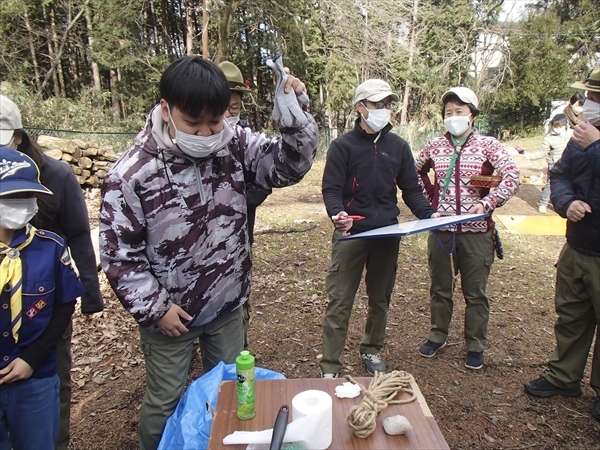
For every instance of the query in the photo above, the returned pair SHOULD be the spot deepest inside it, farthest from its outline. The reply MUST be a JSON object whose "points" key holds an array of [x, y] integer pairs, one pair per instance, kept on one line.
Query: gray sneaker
{"points": [[373, 363]]}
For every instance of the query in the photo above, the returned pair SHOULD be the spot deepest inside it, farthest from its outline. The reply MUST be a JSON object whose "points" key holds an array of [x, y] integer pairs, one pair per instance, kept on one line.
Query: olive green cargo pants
{"points": [[344, 272], [473, 255], [577, 302], [167, 366]]}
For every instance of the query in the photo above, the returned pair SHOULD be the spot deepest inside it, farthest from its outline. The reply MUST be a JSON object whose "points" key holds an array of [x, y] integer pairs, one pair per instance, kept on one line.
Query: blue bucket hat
{"points": [[18, 173]]}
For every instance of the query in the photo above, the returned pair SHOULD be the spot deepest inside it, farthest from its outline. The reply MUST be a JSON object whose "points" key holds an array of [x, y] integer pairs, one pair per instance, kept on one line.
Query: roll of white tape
{"points": [[315, 408]]}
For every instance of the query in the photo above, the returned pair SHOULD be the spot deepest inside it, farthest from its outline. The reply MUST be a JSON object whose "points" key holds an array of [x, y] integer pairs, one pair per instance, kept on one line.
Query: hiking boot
{"points": [[542, 209], [330, 375], [430, 348], [596, 409], [373, 363], [474, 360], [540, 387]]}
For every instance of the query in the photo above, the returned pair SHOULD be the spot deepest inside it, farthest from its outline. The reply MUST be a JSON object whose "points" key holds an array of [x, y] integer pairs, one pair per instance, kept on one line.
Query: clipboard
{"points": [[414, 226]]}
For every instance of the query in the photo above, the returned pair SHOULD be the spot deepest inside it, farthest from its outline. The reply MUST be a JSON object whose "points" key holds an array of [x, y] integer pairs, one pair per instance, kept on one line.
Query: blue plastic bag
{"points": [[189, 426]]}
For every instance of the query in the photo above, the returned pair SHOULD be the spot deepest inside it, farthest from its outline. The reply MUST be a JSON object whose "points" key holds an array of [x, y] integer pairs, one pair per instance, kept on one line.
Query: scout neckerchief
{"points": [[11, 273], [457, 148]]}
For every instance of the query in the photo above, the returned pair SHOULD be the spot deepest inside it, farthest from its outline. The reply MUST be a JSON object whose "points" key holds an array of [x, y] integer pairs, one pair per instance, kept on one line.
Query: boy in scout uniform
{"points": [[38, 289]]}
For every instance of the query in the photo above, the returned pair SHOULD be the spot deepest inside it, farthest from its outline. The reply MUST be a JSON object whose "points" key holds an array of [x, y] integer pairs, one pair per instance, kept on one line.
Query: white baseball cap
{"points": [[465, 95], [10, 120], [374, 90]]}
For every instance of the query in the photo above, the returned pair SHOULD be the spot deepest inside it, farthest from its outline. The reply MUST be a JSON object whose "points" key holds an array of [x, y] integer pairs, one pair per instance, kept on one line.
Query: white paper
{"points": [[311, 425]]}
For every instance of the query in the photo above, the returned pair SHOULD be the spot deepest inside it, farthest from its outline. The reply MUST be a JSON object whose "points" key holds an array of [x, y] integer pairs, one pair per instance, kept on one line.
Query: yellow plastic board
{"points": [[542, 225]]}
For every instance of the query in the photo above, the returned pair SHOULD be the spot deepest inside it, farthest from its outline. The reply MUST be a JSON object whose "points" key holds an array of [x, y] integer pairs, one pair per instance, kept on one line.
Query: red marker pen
{"points": [[336, 217]]}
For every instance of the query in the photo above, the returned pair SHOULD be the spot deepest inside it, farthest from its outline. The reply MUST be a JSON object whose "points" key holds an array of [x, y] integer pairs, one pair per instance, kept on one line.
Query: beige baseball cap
{"points": [[465, 95], [10, 120], [374, 90]]}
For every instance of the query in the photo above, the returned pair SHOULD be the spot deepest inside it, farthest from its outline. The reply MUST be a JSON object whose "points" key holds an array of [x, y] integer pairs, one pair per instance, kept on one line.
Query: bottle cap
{"points": [[245, 361]]}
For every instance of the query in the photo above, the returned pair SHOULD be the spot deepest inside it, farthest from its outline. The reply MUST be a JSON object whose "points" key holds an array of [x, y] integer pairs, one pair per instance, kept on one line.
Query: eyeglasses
{"points": [[234, 109], [381, 105]]}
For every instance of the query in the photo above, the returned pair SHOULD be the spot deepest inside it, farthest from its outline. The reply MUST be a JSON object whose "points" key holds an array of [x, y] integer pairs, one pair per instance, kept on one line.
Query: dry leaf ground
{"points": [[484, 409]]}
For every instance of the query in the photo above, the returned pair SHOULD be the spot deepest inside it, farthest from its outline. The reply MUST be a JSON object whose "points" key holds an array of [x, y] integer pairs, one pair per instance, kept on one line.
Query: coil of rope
{"points": [[384, 387]]}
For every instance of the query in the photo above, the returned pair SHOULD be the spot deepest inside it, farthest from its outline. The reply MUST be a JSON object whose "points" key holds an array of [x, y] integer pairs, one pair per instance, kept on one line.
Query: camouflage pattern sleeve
{"points": [[280, 161], [123, 256]]}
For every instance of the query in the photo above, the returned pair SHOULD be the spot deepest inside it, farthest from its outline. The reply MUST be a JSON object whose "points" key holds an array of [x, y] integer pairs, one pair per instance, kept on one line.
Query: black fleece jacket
{"points": [[71, 221], [362, 174]]}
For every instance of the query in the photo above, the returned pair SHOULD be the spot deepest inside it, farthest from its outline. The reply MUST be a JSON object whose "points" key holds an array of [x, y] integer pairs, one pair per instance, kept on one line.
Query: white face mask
{"points": [[378, 118], [233, 120], [15, 213], [194, 145], [559, 131], [11, 143], [591, 112], [576, 109], [457, 125]]}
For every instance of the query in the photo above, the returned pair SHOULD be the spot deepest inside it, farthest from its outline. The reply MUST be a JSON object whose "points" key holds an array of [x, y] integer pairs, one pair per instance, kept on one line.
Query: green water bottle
{"points": [[244, 367]]}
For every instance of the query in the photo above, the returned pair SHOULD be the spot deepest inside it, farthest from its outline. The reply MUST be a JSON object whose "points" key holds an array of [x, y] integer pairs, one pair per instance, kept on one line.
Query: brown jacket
{"points": [[574, 119]]}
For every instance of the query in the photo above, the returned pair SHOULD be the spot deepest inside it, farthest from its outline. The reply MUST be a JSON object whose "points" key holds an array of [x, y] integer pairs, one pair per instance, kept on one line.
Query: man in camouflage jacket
{"points": [[173, 227]]}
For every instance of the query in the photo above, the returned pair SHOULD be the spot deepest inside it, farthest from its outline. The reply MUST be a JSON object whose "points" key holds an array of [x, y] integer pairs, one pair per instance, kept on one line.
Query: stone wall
{"points": [[89, 161]]}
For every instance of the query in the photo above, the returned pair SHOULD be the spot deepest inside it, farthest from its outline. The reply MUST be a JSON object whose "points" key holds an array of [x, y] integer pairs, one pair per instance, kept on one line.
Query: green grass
{"points": [[529, 143]]}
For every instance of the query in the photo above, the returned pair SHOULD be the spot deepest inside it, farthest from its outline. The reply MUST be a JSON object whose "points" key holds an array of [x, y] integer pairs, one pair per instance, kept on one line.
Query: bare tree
{"points": [[411, 54], [32, 50], [94, 64], [55, 56]]}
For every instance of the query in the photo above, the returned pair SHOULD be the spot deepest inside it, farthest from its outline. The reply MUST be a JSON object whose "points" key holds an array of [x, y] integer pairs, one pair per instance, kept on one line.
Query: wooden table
{"points": [[271, 394]]}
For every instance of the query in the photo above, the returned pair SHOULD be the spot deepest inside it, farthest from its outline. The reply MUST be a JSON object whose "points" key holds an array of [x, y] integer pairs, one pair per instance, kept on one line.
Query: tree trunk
{"points": [[52, 57], [411, 53], [167, 42], [36, 69], [95, 70], [58, 71], [189, 27], [121, 102], [157, 42], [114, 96], [205, 30], [522, 119], [225, 21], [55, 59], [365, 67], [74, 84]]}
